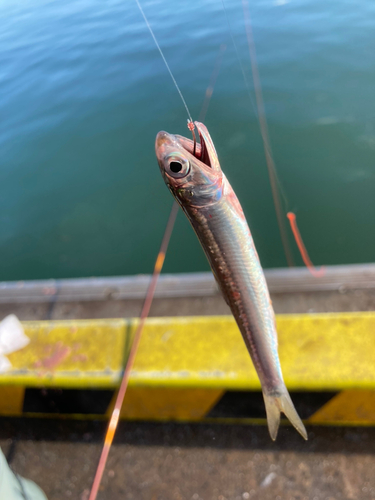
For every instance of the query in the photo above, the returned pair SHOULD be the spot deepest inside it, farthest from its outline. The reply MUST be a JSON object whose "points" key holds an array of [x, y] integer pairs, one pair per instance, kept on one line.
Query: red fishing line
{"points": [[301, 247]]}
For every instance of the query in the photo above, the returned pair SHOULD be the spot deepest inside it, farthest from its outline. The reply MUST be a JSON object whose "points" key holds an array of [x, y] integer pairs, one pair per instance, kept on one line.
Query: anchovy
{"points": [[194, 177]]}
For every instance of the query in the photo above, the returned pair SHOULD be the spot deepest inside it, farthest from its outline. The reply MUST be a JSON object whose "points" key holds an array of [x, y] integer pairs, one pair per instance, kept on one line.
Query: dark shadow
{"points": [[250, 404], [67, 401], [321, 439]]}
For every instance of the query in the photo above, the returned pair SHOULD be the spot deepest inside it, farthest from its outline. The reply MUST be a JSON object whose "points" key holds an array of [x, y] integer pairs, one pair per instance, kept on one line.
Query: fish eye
{"points": [[177, 166]]}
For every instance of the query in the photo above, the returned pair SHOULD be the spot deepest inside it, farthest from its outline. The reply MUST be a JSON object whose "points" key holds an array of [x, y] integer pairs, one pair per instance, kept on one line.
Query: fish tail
{"points": [[277, 402]]}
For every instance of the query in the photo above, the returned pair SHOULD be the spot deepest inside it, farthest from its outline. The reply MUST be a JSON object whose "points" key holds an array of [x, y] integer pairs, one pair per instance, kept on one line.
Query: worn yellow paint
{"points": [[145, 403], [317, 352], [11, 400], [85, 353], [356, 407]]}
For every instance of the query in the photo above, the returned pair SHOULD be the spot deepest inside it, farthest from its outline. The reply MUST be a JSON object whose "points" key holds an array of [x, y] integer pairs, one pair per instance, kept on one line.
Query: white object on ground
{"points": [[12, 338]]}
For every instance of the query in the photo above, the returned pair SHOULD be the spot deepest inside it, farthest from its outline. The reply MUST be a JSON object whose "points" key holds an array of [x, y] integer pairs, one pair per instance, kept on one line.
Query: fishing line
{"points": [[211, 85], [265, 136], [274, 181], [164, 59], [259, 111], [247, 85], [276, 185], [133, 351], [317, 273]]}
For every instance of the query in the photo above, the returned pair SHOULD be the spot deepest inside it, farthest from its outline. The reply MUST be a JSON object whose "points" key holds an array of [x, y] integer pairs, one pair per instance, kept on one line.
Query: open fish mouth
{"points": [[203, 150], [199, 150]]}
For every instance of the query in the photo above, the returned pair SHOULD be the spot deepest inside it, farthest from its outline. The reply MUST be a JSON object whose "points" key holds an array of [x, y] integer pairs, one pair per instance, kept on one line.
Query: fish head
{"points": [[194, 177]]}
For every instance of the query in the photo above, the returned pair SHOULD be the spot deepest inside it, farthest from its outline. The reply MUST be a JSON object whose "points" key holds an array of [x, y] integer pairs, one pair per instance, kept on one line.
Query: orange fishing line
{"points": [[301, 247], [271, 167], [129, 365]]}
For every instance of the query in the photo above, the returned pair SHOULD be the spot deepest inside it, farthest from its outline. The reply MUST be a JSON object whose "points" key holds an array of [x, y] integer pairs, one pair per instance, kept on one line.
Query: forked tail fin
{"points": [[277, 402]]}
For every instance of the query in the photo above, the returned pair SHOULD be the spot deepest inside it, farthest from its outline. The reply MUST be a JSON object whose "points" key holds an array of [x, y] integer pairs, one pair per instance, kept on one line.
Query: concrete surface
{"points": [[287, 303], [193, 462]]}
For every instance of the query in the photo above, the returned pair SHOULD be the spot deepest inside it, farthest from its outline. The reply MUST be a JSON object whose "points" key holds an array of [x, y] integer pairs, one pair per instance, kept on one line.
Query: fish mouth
{"points": [[204, 151], [197, 149]]}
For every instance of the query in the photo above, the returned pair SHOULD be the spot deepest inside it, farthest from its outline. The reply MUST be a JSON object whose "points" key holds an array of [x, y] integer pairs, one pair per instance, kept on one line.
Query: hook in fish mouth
{"points": [[198, 150], [204, 151]]}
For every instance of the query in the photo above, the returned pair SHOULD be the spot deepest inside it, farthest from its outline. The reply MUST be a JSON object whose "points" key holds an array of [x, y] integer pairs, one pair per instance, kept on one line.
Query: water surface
{"points": [[84, 92]]}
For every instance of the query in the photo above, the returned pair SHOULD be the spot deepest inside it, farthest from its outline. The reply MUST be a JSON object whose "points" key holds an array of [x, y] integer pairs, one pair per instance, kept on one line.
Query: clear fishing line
{"points": [[239, 59], [164, 59]]}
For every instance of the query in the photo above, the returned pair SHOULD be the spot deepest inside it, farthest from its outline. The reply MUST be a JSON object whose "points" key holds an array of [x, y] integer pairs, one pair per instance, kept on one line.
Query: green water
{"points": [[84, 92]]}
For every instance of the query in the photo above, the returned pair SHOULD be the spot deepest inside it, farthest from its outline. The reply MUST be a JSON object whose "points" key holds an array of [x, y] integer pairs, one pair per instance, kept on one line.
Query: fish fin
{"points": [[277, 402]]}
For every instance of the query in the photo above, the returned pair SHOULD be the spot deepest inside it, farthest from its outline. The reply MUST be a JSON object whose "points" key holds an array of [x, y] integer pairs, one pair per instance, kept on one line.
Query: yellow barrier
{"points": [[185, 365]]}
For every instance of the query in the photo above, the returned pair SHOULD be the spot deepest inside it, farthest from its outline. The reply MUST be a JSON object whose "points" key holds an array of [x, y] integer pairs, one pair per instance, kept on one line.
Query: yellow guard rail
{"points": [[184, 366]]}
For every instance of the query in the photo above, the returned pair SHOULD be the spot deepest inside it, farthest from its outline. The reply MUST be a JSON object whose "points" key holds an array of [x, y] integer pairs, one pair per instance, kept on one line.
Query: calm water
{"points": [[84, 92]]}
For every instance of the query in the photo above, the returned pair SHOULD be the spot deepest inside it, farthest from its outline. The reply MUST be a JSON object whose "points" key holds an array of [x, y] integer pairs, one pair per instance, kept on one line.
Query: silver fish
{"points": [[197, 182]]}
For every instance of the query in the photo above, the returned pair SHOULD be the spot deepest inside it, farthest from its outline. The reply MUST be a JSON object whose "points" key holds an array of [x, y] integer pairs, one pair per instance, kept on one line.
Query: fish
{"points": [[193, 175]]}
